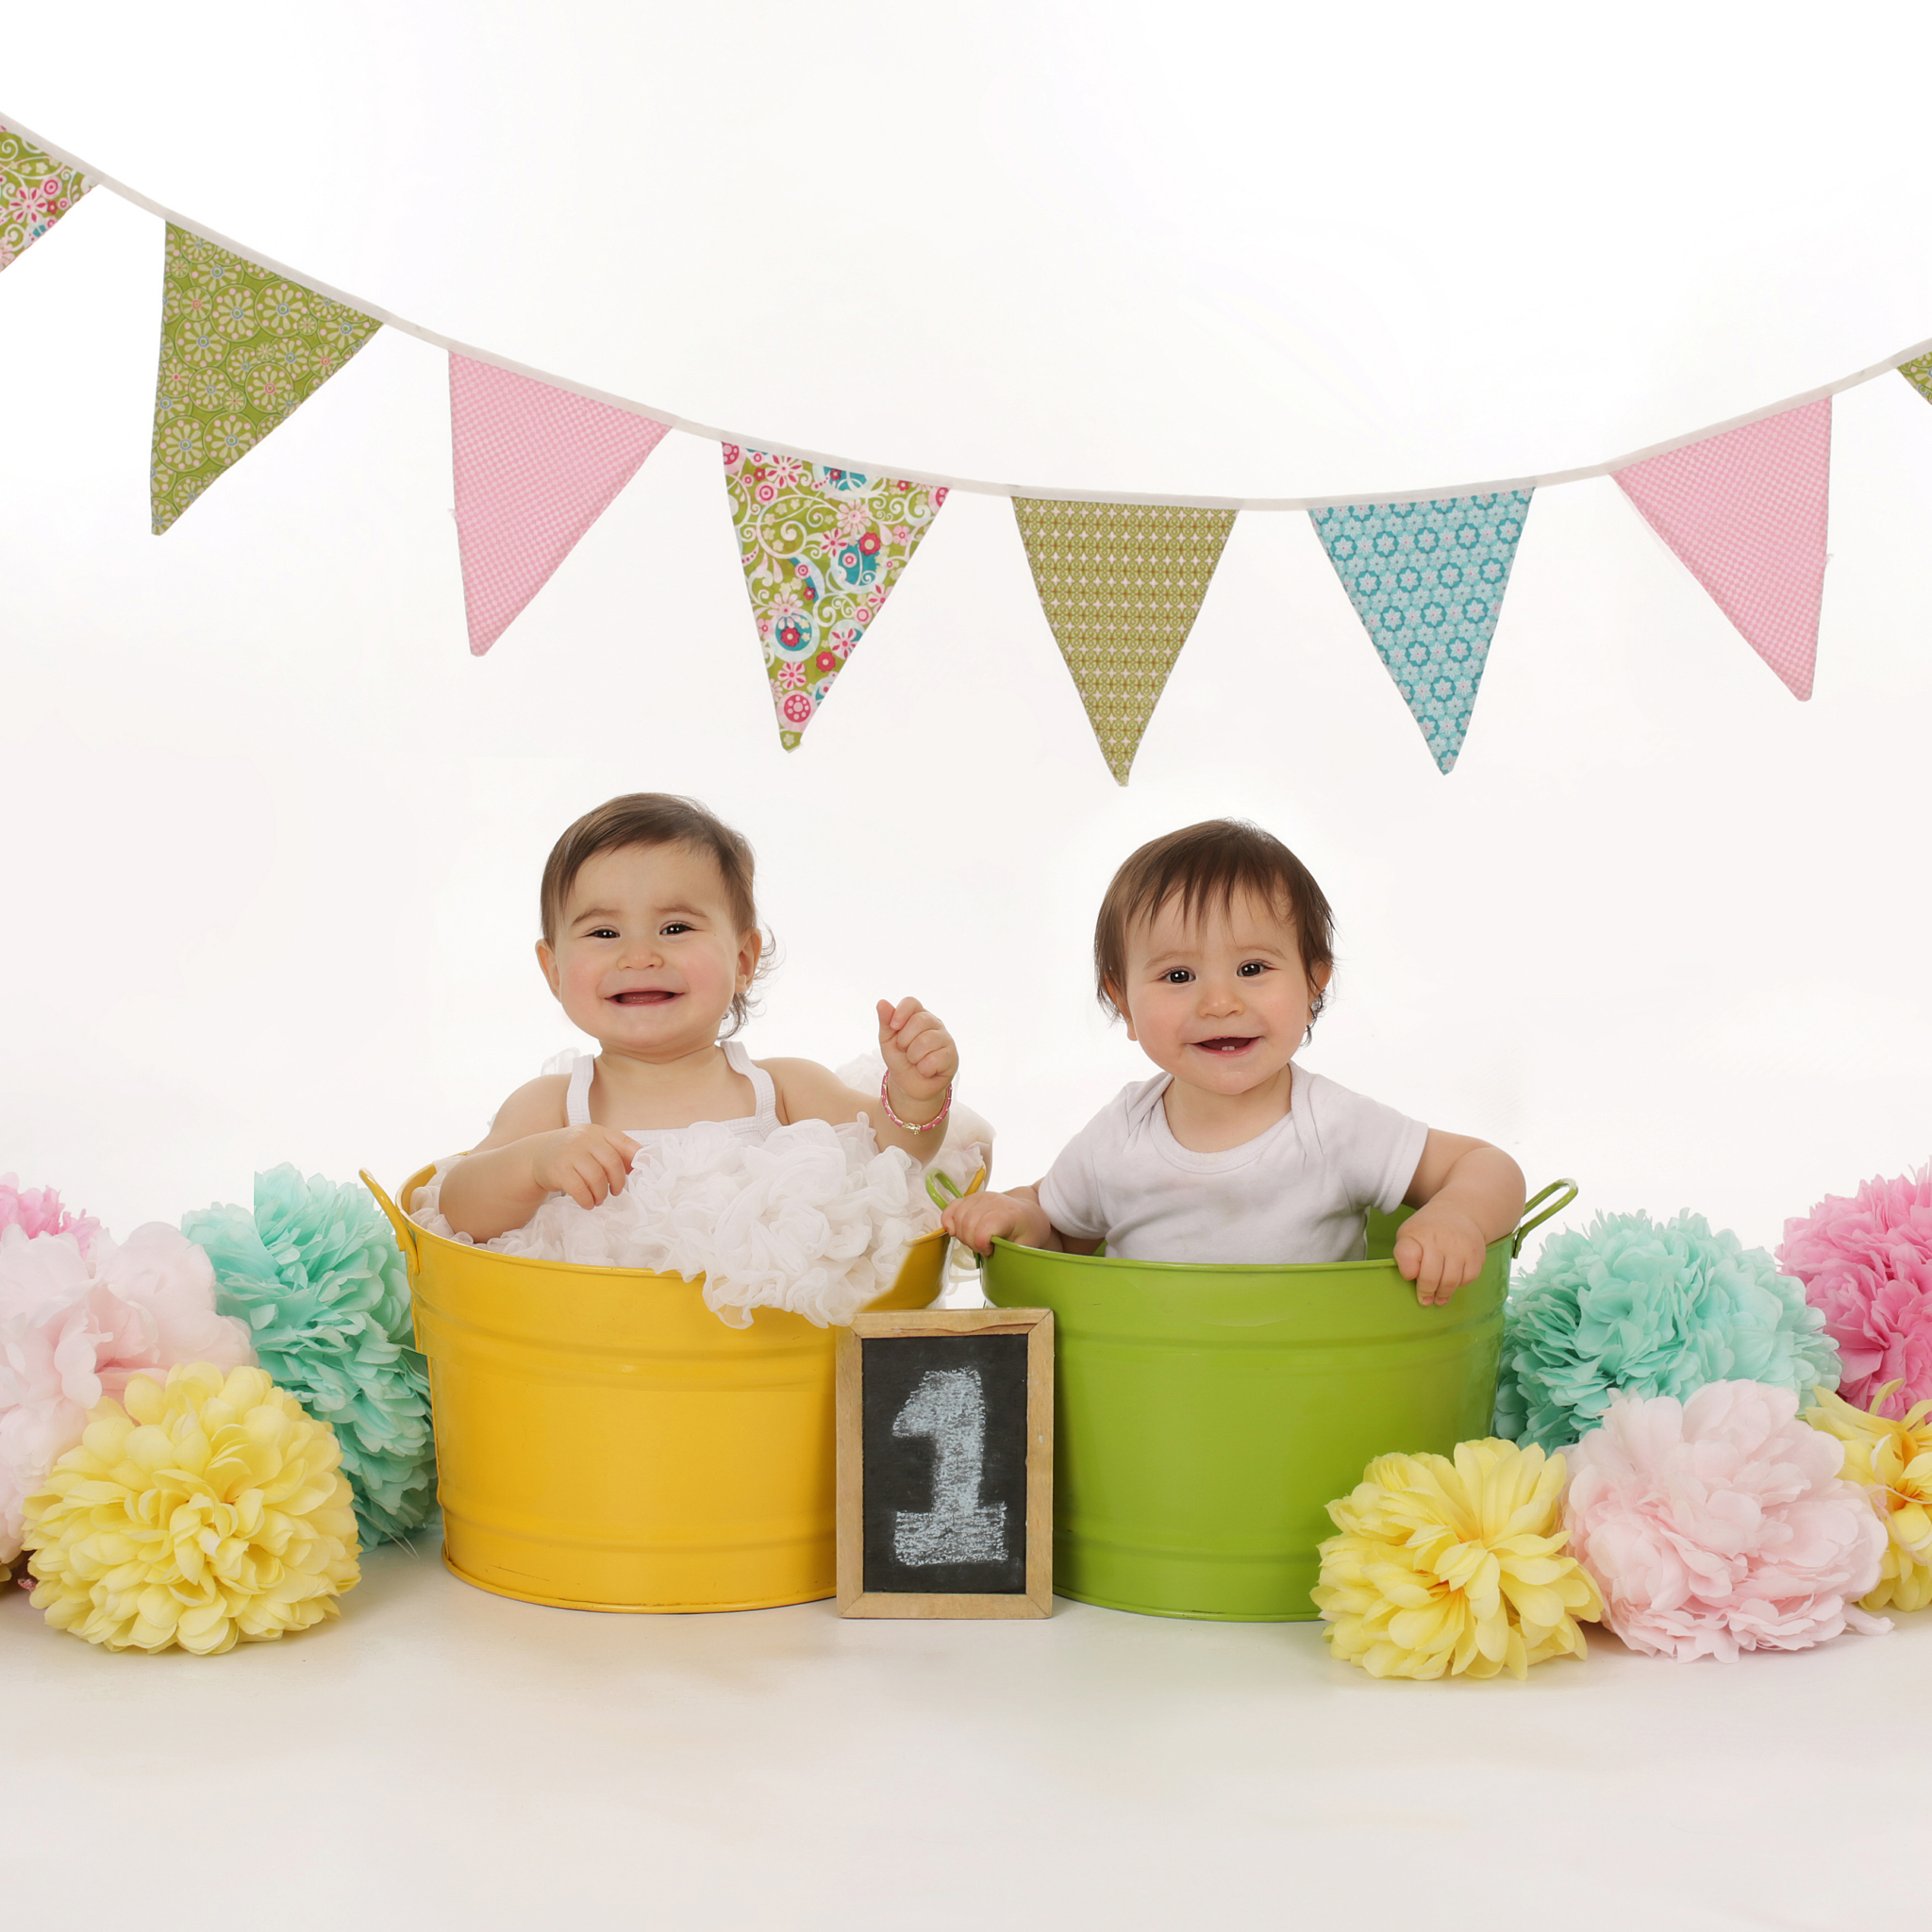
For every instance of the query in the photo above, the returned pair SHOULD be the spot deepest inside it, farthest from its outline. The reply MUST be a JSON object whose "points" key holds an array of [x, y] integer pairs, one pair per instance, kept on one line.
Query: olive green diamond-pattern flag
{"points": [[1919, 373], [35, 192], [1121, 584], [241, 350]]}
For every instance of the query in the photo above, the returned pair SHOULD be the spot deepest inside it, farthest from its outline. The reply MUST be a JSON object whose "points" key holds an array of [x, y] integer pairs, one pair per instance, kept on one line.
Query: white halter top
{"points": [[750, 1127]]}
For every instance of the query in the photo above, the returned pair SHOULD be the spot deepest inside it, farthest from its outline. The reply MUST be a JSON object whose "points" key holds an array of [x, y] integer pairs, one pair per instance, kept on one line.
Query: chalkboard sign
{"points": [[946, 1464]]}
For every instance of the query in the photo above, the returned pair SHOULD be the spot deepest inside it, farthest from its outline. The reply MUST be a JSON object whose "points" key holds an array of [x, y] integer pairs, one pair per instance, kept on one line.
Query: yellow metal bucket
{"points": [[604, 1443]]}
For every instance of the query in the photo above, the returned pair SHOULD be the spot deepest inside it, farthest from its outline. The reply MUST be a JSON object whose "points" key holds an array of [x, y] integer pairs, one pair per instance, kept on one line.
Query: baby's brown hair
{"points": [[656, 817], [1207, 865]]}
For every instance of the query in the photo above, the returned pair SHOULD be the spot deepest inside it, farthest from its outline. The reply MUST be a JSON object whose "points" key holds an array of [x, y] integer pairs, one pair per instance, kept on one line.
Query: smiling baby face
{"points": [[647, 957], [1218, 996]]}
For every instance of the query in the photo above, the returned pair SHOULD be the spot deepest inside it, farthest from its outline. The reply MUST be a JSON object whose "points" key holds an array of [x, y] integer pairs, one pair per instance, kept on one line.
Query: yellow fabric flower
{"points": [[1894, 1460], [1454, 1567], [202, 1513]]}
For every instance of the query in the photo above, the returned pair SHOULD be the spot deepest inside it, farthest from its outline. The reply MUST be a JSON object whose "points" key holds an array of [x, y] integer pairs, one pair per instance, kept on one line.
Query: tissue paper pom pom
{"points": [[1720, 1524], [1892, 1458], [1454, 1567], [200, 1514], [1867, 1265], [1633, 1307], [39, 1211], [75, 1325], [316, 1274]]}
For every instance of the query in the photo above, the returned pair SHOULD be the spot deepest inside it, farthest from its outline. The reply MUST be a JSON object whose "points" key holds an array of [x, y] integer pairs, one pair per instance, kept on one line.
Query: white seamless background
{"points": [[275, 836]]}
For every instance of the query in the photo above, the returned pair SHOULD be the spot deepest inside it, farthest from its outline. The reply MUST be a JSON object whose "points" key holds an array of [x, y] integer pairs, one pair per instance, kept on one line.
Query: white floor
{"points": [[444, 1758]]}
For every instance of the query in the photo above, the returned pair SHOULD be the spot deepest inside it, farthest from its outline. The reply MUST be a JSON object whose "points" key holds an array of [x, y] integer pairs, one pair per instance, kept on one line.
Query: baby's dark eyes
{"points": [[675, 925], [602, 932], [1181, 975]]}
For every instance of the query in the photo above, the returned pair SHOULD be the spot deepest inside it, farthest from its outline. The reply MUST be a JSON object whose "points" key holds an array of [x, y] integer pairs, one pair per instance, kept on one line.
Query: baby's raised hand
{"points": [[979, 1220], [1440, 1249], [921, 1059], [588, 1163]]}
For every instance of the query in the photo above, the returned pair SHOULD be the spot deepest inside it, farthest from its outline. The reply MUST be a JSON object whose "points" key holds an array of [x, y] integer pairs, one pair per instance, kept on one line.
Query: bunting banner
{"points": [[1121, 584], [35, 192], [535, 467], [538, 458], [822, 549], [241, 350], [1746, 512], [1427, 579]]}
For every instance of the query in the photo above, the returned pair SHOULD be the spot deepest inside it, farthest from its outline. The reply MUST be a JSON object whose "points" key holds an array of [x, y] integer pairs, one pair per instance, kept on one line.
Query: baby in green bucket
{"points": [[1215, 945]]}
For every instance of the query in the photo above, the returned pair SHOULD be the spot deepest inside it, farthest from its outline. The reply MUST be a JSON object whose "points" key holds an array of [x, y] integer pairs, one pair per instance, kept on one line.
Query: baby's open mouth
{"points": [[1226, 1043], [643, 997]]}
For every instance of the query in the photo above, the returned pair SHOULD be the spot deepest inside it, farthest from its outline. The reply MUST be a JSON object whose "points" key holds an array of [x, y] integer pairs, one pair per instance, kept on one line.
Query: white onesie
{"points": [[1297, 1192], [755, 1127]]}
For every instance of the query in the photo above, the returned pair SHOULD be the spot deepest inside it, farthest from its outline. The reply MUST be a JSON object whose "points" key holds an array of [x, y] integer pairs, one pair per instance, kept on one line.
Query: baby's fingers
{"points": [[613, 1165], [972, 1223], [583, 1184], [931, 1050]]}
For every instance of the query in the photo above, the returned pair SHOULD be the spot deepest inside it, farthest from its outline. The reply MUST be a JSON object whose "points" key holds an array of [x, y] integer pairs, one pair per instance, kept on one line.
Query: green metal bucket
{"points": [[1204, 1417]]}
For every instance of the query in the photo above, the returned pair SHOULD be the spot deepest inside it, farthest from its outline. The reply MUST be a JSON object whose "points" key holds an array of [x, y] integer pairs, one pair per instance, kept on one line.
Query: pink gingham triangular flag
{"points": [[535, 468], [1746, 512]]}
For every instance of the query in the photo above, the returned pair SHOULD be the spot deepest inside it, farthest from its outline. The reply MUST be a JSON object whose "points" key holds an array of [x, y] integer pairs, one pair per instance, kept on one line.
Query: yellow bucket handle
{"points": [[1524, 1226], [404, 1228], [944, 1192]]}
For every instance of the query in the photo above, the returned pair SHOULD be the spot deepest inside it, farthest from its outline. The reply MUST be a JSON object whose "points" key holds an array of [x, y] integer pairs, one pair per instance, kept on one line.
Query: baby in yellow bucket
{"points": [[1216, 946], [651, 940]]}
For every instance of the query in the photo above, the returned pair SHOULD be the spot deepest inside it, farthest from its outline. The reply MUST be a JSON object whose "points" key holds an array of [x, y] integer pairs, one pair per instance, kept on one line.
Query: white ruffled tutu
{"points": [[816, 1219]]}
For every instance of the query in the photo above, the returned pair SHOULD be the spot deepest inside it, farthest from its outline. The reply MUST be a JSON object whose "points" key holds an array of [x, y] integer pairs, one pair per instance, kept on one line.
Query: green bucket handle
{"points": [[944, 1192], [1524, 1226]]}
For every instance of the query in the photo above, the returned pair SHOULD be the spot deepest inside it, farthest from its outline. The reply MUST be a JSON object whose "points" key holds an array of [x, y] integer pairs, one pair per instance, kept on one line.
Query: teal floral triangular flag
{"points": [[1427, 579]]}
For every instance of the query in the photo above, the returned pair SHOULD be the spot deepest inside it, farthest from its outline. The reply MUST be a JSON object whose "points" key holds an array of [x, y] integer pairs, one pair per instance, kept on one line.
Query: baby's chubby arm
{"points": [[921, 1061], [1466, 1195], [528, 1156], [979, 1220]]}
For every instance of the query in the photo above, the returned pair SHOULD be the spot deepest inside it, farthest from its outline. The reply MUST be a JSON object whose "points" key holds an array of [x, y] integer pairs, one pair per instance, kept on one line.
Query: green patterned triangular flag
{"points": [[1919, 373], [1121, 584], [35, 192], [241, 350]]}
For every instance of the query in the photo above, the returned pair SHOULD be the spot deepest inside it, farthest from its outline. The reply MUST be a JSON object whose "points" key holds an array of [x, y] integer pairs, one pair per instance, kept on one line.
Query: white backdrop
{"points": [[275, 836]]}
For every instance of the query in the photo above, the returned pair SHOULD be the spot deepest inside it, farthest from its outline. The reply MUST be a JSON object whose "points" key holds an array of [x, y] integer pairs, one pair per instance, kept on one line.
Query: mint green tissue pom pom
{"points": [[316, 1274], [1635, 1307]]}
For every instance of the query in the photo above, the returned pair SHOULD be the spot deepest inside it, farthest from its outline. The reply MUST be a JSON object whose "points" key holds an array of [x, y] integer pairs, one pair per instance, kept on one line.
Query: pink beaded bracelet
{"points": [[913, 1126]]}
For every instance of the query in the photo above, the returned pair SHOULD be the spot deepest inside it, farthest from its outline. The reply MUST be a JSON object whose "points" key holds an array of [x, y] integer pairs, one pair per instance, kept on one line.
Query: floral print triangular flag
{"points": [[1427, 579], [241, 350], [822, 549], [35, 192]]}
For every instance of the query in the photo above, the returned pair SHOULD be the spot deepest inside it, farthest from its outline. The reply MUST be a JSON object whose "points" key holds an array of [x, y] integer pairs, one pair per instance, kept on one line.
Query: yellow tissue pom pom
{"points": [[1894, 1460], [202, 1513], [1454, 1567]]}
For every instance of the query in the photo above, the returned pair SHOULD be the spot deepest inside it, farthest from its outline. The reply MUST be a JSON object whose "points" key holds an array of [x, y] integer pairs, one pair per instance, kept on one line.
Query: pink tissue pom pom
{"points": [[1720, 1524], [76, 1324], [39, 1211], [1866, 1264]]}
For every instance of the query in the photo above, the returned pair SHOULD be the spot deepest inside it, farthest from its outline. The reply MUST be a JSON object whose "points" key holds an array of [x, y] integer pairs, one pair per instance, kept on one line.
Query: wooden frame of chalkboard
{"points": [[974, 1387]]}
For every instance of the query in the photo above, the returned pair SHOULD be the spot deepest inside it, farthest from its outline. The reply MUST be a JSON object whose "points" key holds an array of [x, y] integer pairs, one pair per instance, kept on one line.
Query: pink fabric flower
{"points": [[76, 1324], [1720, 1524], [1866, 1264], [39, 1211]]}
